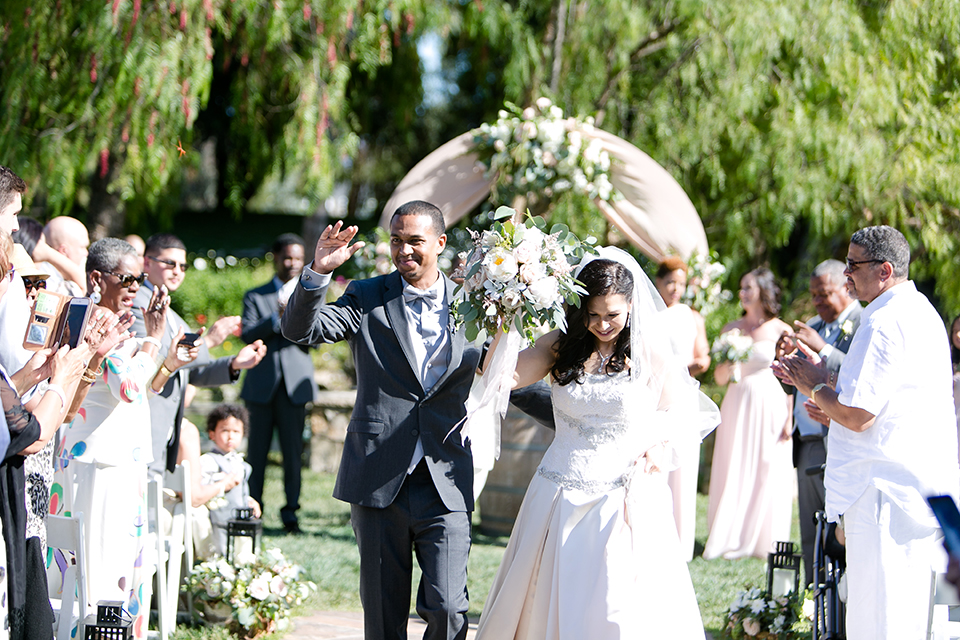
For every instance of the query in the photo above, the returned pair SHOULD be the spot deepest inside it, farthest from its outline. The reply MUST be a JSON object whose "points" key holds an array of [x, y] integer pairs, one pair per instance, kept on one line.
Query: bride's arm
{"points": [[533, 364]]}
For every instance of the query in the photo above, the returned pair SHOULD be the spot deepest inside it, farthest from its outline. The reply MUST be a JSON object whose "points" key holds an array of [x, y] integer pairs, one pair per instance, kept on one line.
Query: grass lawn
{"points": [[328, 553]]}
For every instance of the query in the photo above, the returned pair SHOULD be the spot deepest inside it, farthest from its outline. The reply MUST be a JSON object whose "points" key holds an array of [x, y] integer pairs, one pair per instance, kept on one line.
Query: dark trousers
{"points": [[288, 418], [417, 521], [810, 498]]}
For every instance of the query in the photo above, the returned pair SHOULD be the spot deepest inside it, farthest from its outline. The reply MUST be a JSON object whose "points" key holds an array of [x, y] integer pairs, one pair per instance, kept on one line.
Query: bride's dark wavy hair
{"points": [[599, 277]]}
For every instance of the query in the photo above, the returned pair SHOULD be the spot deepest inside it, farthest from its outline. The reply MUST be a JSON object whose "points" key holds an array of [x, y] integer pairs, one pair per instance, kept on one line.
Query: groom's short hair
{"points": [[421, 208]]}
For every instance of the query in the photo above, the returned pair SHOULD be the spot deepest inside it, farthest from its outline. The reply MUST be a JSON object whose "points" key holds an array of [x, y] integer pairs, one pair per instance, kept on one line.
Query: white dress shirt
{"points": [[898, 369]]}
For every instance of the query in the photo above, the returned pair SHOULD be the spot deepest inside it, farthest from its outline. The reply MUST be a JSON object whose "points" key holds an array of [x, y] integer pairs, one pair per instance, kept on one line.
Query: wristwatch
{"points": [[817, 387]]}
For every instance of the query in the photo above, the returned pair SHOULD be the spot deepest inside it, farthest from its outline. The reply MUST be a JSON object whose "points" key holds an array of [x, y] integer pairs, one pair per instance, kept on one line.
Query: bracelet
{"points": [[151, 340], [88, 376], [165, 371], [57, 389], [817, 387]]}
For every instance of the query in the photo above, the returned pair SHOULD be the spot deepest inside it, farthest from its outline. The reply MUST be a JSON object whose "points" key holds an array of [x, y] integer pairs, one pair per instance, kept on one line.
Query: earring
{"points": [[95, 296]]}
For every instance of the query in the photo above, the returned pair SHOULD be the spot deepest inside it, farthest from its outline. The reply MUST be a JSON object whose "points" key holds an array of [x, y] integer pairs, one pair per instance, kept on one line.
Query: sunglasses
{"points": [[127, 280], [170, 264], [34, 282], [852, 265]]}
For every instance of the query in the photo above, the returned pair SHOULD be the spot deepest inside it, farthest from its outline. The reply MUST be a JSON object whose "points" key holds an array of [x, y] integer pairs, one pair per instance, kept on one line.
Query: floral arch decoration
{"points": [[538, 151]]}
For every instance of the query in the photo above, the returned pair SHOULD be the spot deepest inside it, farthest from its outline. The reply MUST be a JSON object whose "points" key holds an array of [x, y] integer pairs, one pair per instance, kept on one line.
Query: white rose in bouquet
{"points": [[511, 298], [259, 587], [528, 251], [543, 293], [530, 273]]}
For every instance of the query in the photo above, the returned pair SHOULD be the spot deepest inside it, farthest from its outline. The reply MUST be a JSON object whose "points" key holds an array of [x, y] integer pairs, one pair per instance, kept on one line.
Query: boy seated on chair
{"points": [[226, 425]]}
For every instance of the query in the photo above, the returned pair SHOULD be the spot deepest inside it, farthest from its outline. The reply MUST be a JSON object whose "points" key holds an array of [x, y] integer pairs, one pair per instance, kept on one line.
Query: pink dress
{"points": [[751, 481]]}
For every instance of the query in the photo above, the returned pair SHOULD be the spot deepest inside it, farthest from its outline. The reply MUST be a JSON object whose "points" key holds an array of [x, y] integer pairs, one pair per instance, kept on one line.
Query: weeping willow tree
{"points": [[101, 102], [789, 124]]}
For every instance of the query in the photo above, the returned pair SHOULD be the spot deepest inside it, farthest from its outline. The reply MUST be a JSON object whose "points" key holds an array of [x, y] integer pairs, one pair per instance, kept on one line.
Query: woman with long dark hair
{"points": [[751, 496], [594, 552]]}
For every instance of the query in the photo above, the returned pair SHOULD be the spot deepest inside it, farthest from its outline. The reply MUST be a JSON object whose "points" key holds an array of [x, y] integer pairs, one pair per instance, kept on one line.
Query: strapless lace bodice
{"points": [[600, 432]]}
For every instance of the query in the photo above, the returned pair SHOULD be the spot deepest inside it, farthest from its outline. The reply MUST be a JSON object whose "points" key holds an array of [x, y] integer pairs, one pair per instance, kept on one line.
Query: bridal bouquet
{"points": [[756, 614], [518, 275], [254, 597], [734, 347]]}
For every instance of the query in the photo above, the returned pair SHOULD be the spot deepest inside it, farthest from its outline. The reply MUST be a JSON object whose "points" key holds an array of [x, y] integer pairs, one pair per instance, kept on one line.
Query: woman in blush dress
{"points": [[751, 496], [594, 552], [103, 453], [688, 341]]}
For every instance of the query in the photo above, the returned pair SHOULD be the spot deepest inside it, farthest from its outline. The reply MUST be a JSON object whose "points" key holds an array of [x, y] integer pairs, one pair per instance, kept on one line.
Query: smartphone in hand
{"points": [[945, 509]]}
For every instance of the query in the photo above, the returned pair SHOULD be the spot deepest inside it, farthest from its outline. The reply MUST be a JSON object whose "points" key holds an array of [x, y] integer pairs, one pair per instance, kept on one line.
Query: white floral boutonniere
{"points": [[846, 328]]}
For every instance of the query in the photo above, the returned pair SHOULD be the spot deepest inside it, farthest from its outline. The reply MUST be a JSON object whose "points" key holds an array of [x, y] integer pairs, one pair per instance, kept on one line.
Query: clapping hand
{"points": [[816, 413], [786, 345], [809, 336], [69, 364], [802, 373], [155, 314], [333, 247], [250, 356], [221, 329]]}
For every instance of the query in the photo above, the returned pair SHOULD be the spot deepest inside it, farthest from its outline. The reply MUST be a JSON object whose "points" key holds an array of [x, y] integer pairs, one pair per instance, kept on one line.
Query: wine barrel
{"points": [[523, 442]]}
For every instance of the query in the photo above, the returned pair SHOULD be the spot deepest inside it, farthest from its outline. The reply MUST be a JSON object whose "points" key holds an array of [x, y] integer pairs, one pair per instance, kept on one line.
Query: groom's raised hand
{"points": [[333, 247]]}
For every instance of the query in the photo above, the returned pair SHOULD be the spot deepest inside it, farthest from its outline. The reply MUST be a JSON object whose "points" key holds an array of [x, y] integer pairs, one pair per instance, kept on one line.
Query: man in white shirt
{"points": [[892, 440]]}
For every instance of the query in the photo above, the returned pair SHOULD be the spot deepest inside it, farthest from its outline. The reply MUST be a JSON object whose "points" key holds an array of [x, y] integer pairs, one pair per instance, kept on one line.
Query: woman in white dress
{"points": [[688, 341], [594, 552]]}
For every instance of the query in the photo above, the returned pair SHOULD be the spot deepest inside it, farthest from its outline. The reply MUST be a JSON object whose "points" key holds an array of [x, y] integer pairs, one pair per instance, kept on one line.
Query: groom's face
{"points": [[415, 247]]}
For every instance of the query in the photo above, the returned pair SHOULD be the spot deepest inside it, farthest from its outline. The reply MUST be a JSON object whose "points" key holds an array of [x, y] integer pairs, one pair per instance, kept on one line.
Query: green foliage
{"points": [[214, 292]]}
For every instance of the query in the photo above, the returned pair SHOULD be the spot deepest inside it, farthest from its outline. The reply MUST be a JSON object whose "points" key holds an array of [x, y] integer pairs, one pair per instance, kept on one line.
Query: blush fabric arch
{"points": [[654, 215]]}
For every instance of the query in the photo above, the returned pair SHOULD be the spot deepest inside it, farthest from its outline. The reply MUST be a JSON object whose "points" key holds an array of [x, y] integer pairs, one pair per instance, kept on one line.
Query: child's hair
{"points": [[227, 410]]}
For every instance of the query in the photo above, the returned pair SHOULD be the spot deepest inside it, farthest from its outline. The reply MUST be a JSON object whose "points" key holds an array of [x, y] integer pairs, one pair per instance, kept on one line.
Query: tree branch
{"points": [[653, 42]]}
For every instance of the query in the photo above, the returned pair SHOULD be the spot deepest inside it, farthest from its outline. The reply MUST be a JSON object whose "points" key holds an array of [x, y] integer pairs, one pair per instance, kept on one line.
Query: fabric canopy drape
{"points": [[654, 214]]}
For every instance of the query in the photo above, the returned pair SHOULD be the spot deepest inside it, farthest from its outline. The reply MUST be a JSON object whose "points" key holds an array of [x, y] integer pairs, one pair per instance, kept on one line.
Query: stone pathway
{"points": [[348, 625]]}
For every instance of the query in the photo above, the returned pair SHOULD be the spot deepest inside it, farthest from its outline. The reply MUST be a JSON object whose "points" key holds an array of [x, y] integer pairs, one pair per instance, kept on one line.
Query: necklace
{"points": [[603, 361]]}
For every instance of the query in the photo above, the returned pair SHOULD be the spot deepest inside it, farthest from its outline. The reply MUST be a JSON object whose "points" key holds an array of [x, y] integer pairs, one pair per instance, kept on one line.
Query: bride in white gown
{"points": [[594, 553]]}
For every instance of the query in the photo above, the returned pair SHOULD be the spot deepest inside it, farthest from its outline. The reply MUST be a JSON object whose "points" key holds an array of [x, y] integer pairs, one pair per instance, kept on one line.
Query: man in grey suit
{"points": [[409, 483], [277, 390], [165, 264], [829, 335]]}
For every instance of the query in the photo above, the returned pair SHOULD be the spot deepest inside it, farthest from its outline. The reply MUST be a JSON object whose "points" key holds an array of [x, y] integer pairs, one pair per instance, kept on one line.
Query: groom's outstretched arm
{"points": [[308, 320]]}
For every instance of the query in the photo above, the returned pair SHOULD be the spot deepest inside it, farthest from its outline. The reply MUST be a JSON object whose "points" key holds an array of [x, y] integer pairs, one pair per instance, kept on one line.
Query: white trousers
{"points": [[890, 564]]}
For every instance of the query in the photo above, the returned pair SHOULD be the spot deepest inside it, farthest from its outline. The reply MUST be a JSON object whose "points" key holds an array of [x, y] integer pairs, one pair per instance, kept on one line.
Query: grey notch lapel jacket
{"points": [[166, 407], [392, 408], [285, 360]]}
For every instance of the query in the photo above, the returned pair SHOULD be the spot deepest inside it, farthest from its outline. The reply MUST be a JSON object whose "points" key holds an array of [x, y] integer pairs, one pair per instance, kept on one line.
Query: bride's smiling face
{"points": [[607, 316]]}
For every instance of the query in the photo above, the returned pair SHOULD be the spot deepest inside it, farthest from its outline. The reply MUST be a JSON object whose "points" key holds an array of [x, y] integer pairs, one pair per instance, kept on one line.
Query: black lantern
{"points": [[108, 623], [783, 570], [243, 525]]}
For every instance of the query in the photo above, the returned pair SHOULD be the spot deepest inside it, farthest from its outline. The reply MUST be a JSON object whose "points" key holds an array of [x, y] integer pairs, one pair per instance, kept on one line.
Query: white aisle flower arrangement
{"points": [[538, 150], [757, 614], [733, 347], [253, 597]]}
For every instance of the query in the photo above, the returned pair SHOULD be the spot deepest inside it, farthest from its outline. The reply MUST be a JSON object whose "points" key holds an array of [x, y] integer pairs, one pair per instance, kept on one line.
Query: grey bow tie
{"points": [[412, 294]]}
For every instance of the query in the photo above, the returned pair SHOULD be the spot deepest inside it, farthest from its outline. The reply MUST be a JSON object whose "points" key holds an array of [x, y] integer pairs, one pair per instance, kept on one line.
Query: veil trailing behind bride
{"points": [[594, 552]]}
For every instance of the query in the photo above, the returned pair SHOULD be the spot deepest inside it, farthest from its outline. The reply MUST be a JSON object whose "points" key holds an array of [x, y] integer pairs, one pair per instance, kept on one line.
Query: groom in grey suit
{"points": [[829, 335], [410, 486]]}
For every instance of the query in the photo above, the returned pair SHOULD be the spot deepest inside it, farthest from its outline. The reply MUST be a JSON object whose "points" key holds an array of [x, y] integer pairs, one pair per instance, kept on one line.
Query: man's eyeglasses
{"points": [[127, 280], [853, 264], [170, 264], [34, 282]]}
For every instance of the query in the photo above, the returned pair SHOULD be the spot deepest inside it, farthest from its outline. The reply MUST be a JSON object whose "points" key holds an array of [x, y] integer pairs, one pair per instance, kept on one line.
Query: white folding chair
{"points": [[156, 545], [944, 611], [70, 608], [180, 541]]}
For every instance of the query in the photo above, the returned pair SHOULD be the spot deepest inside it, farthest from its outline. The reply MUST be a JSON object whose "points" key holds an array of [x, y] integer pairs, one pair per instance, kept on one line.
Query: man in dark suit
{"points": [[165, 264], [278, 389], [410, 486], [829, 335]]}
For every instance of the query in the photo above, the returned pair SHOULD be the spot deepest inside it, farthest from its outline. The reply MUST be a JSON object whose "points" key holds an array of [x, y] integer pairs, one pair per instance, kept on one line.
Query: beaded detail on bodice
{"points": [[600, 432]]}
